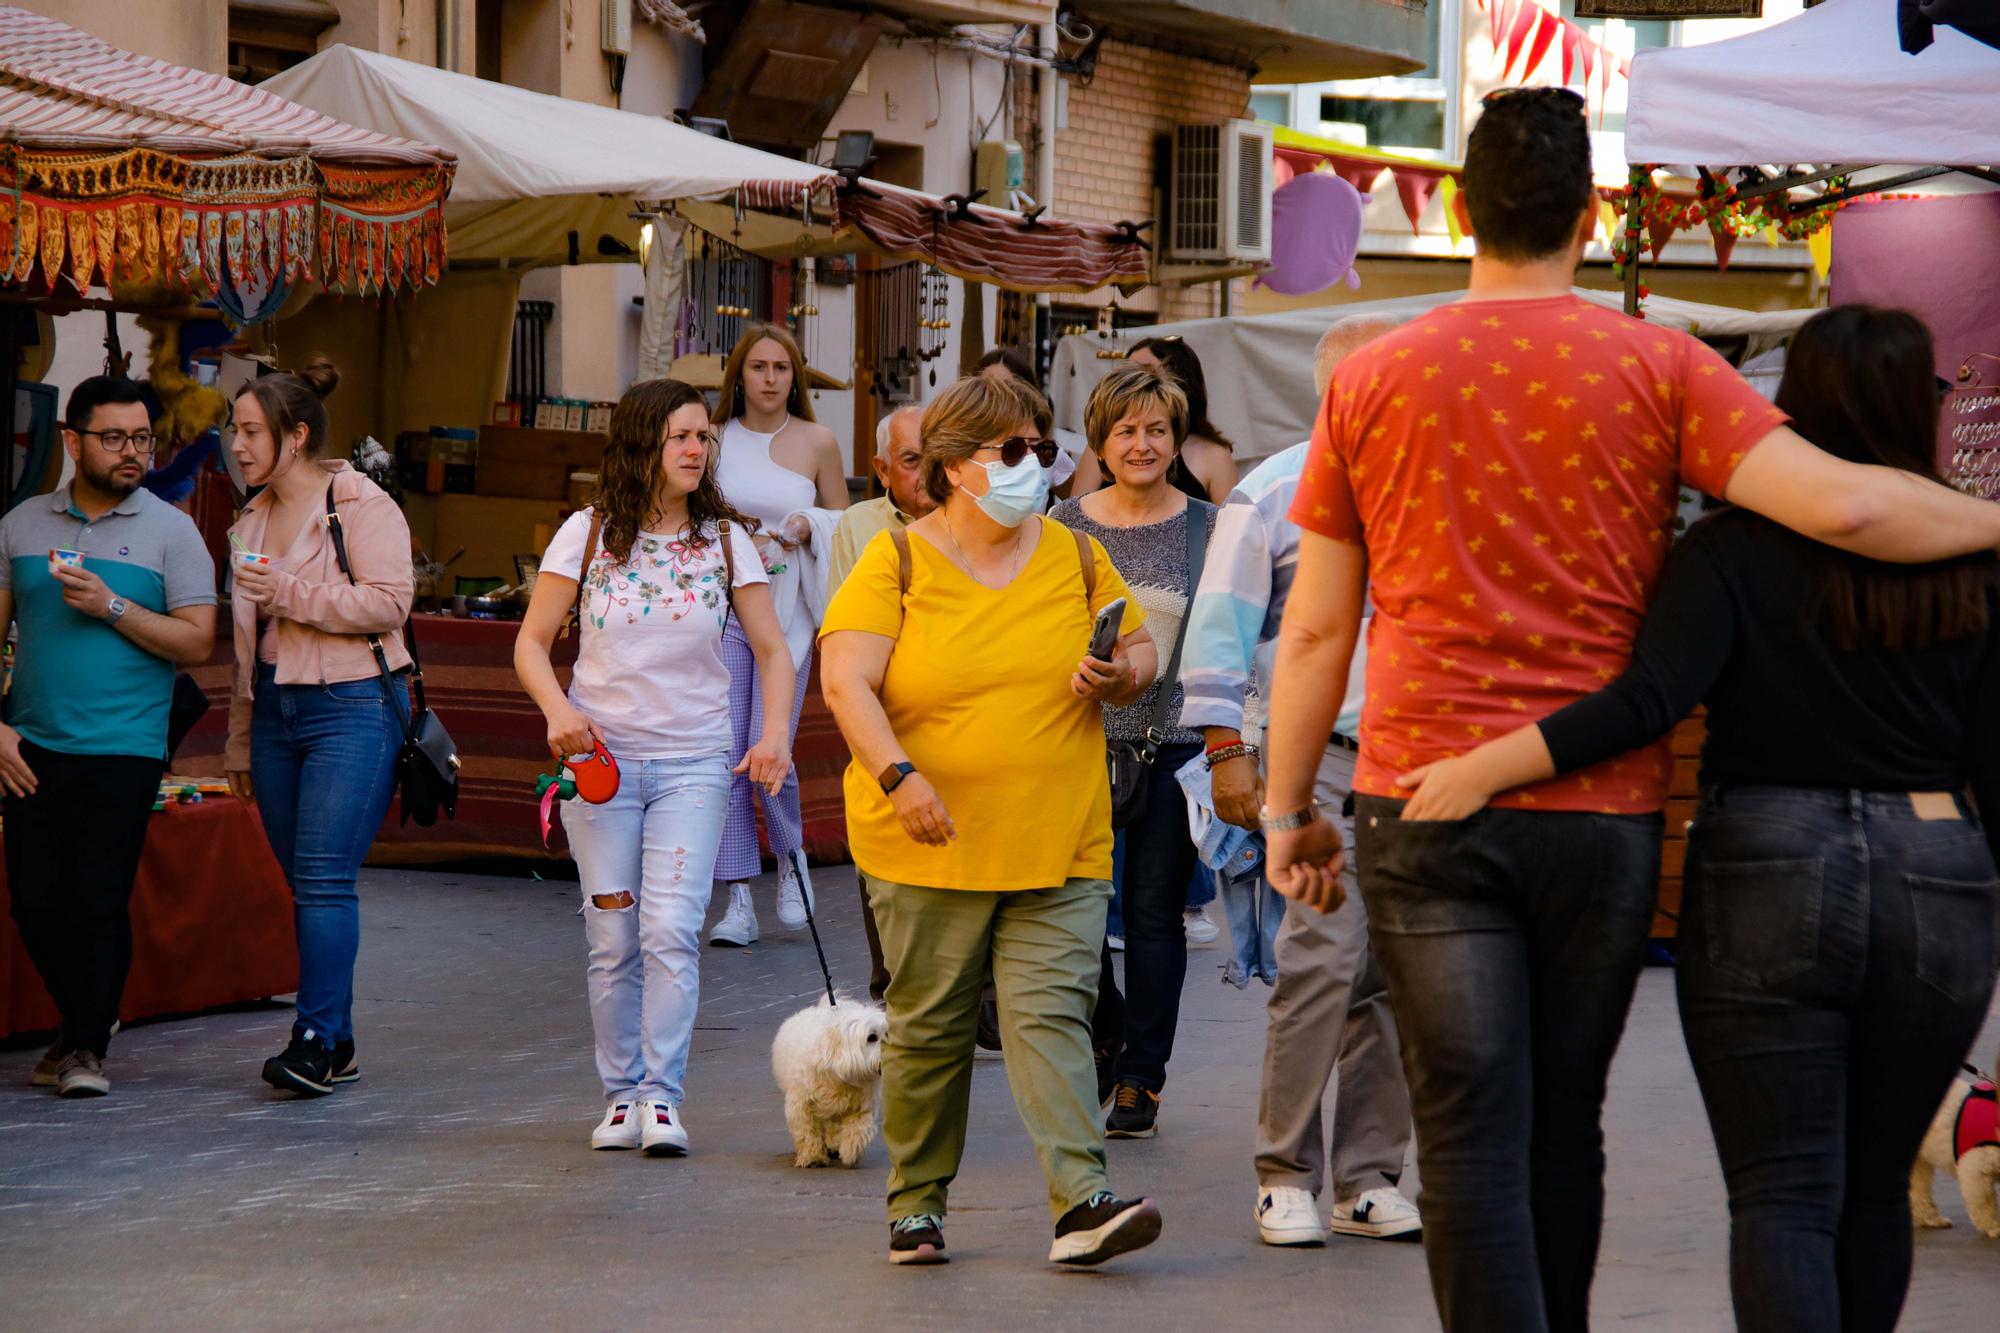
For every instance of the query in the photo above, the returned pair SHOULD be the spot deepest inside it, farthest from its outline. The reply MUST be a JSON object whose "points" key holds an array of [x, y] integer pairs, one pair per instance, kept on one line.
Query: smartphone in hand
{"points": [[1104, 634]]}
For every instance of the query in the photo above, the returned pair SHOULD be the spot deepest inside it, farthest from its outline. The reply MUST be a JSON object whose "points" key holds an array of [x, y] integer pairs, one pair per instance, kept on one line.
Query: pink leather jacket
{"points": [[323, 623]]}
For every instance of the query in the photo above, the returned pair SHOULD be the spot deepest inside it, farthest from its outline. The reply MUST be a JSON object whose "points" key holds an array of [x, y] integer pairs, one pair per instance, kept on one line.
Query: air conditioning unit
{"points": [[1219, 194], [617, 27]]}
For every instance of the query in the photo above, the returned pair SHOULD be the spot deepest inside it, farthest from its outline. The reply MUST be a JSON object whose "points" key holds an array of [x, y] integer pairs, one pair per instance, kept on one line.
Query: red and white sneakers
{"points": [[620, 1127], [664, 1134]]}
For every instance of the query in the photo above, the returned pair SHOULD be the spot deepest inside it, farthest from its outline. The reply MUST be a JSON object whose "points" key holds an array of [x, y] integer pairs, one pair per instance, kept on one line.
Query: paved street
{"points": [[453, 1187]]}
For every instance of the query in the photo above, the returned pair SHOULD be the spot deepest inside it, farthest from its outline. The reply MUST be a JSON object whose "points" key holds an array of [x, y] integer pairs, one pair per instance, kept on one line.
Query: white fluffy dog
{"points": [[828, 1063], [1963, 1142]]}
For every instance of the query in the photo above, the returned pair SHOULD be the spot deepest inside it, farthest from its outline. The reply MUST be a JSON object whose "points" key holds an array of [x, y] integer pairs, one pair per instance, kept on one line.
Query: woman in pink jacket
{"points": [[314, 731]]}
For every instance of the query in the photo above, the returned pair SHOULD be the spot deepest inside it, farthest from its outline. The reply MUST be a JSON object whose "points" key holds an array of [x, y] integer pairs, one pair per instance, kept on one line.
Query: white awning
{"points": [[1831, 86], [531, 168], [1259, 367]]}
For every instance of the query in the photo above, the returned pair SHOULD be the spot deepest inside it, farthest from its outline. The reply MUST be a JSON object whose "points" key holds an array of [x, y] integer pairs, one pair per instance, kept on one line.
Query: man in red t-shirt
{"points": [[1503, 474]]}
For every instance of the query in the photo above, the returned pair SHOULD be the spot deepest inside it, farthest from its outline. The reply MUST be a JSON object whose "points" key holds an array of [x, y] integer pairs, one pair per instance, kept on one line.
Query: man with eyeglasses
{"points": [[111, 589]]}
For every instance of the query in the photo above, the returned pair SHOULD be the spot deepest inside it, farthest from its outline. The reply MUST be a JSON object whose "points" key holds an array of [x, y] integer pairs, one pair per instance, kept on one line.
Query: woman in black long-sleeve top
{"points": [[1837, 947]]}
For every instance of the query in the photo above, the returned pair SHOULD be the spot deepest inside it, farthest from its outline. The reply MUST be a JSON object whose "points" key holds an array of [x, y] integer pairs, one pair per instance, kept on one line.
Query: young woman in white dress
{"points": [[776, 464]]}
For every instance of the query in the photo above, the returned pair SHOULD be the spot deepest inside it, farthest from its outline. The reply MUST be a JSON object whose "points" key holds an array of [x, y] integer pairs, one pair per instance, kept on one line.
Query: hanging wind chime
{"points": [[934, 301]]}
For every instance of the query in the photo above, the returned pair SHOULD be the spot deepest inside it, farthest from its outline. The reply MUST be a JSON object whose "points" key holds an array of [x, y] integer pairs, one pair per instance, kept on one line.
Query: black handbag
{"points": [[1130, 764], [427, 767]]}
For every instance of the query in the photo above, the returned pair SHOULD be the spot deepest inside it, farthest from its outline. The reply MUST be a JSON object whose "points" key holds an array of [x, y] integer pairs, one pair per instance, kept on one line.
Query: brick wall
{"points": [[1104, 158]]}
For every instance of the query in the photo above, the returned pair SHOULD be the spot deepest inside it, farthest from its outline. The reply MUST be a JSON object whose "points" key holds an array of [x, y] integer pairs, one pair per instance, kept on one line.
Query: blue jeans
{"points": [[323, 764], [1511, 943], [1836, 959], [656, 843]]}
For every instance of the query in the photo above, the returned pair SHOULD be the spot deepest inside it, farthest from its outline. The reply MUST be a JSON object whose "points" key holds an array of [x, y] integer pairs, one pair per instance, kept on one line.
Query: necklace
{"points": [[1015, 569]]}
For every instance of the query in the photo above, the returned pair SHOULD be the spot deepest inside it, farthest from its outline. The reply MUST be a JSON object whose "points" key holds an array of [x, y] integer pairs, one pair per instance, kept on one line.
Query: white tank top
{"points": [[754, 482]]}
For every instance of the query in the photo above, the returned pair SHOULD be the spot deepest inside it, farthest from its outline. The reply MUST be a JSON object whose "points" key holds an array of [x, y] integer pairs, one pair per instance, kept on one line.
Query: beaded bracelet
{"points": [[1222, 753]]}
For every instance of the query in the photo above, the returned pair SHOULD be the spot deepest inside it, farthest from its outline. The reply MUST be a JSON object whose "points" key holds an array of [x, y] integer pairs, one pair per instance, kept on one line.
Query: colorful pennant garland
{"points": [[1524, 33], [245, 225]]}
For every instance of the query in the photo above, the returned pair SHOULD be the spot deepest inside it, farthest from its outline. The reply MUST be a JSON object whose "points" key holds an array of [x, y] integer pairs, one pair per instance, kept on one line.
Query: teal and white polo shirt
{"points": [[81, 687]]}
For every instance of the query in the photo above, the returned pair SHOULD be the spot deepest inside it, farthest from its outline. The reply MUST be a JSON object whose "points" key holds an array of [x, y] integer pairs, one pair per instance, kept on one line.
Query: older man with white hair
{"points": [[899, 456], [1329, 1005]]}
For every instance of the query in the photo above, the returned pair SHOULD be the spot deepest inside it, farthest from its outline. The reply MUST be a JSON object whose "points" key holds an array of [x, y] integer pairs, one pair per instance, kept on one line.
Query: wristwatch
{"points": [[1298, 819], [115, 610], [892, 776]]}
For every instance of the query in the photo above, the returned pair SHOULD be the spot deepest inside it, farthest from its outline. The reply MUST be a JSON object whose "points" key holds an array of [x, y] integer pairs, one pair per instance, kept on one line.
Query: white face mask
{"points": [[1013, 493]]}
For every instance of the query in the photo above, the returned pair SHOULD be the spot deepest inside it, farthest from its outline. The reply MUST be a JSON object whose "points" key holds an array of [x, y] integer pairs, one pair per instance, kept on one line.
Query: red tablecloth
{"points": [[469, 677], [211, 922]]}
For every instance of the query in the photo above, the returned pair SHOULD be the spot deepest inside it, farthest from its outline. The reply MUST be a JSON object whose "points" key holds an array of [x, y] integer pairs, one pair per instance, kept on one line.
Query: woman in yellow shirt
{"points": [[956, 663]]}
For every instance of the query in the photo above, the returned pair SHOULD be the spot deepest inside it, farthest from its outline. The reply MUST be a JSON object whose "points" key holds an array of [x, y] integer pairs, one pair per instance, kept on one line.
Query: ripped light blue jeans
{"points": [[655, 840]]}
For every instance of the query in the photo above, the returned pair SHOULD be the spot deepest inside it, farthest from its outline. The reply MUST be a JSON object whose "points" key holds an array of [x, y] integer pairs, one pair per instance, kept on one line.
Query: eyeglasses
{"points": [[1015, 448], [114, 441]]}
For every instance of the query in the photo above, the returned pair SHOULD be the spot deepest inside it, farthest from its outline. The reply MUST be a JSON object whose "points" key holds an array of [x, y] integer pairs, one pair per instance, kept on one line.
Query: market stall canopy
{"points": [[115, 165], [1014, 251], [1830, 86], [1259, 367], [532, 168]]}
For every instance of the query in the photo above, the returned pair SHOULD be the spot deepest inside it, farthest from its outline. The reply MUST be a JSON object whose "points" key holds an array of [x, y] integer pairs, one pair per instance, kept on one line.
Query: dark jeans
{"points": [[1837, 955], [1511, 943], [1158, 861], [322, 761], [72, 852]]}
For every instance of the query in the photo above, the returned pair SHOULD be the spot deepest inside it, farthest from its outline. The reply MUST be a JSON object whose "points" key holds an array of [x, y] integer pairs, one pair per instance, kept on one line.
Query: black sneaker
{"points": [[345, 1070], [917, 1240], [1103, 1227], [988, 1032], [306, 1067], [1135, 1112]]}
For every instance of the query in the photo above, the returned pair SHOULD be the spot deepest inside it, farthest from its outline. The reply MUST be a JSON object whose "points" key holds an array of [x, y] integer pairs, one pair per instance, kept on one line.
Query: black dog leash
{"points": [[805, 893]]}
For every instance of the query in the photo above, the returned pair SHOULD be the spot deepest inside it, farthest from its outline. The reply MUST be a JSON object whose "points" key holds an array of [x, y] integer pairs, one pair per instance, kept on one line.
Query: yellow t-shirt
{"points": [[977, 690]]}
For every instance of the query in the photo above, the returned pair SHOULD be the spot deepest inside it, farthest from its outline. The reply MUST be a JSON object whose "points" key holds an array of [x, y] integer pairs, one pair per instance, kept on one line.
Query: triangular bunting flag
{"points": [[1525, 19], [1547, 25], [1361, 175], [1449, 189], [1415, 188], [1725, 245], [1658, 236], [1571, 35], [1501, 18], [1821, 245]]}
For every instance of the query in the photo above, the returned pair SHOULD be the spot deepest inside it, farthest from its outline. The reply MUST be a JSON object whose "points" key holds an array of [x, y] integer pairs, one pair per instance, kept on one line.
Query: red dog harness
{"points": [[1978, 1120]]}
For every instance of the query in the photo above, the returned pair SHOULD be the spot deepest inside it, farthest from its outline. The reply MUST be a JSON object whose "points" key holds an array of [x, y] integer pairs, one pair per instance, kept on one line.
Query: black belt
{"points": [[1341, 742]]}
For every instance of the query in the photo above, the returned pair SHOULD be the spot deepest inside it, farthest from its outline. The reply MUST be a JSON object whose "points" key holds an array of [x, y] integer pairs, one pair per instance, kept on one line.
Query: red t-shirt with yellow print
{"points": [[1513, 468]]}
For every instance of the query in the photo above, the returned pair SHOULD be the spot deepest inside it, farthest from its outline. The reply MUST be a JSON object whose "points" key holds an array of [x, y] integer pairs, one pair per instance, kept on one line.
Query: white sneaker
{"points": [[1379, 1214], [1287, 1215], [665, 1133], [1201, 928], [738, 927], [619, 1128], [794, 892]]}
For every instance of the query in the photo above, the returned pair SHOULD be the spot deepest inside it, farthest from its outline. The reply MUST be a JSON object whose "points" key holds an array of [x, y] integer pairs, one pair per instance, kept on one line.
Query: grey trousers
{"points": [[1330, 1008]]}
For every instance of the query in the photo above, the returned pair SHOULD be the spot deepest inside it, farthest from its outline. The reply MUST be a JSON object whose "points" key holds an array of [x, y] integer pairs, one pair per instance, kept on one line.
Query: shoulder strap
{"points": [[1089, 563], [583, 570], [1197, 554], [901, 537], [374, 640], [728, 566]]}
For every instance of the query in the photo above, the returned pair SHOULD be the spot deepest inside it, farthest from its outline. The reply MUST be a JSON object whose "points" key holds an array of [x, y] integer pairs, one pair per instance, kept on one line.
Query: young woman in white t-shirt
{"points": [[651, 685]]}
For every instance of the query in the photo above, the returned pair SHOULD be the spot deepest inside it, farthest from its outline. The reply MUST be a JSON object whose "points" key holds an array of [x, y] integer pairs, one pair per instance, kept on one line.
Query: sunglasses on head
{"points": [[1015, 448]]}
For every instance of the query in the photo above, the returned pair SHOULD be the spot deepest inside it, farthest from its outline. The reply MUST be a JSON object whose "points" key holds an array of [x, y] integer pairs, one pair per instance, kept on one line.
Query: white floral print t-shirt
{"points": [[649, 668]]}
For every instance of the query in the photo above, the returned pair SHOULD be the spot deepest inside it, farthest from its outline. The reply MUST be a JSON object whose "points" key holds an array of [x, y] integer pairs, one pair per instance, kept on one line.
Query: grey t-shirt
{"points": [[1153, 561]]}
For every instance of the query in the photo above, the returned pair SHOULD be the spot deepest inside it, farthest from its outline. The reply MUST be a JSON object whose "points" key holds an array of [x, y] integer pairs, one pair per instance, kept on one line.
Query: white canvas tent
{"points": [[531, 168], [1830, 86], [1259, 367]]}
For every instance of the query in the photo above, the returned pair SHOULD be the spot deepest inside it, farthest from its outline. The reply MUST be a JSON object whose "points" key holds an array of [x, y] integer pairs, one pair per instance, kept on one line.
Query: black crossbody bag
{"points": [[1130, 764], [427, 768]]}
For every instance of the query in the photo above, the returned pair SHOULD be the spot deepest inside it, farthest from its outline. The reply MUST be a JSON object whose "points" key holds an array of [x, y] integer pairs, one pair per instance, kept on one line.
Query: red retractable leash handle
{"points": [[593, 778]]}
